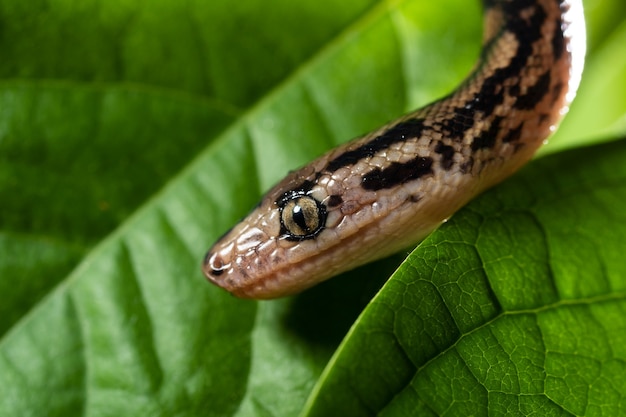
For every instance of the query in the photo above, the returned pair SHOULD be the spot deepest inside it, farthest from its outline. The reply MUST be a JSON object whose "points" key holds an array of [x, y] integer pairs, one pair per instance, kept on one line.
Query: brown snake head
{"points": [[380, 193]]}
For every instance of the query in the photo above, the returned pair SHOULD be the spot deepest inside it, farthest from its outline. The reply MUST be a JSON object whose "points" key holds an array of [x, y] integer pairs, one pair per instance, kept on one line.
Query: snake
{"points": [[380, 193]]}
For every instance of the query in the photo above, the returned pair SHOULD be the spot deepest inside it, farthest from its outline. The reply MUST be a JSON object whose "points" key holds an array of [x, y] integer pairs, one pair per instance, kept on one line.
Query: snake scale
{"points": [[380, 193]]}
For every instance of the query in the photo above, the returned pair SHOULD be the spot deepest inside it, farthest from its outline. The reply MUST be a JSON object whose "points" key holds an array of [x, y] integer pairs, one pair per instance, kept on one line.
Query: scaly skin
{"points": [[377, 194]]}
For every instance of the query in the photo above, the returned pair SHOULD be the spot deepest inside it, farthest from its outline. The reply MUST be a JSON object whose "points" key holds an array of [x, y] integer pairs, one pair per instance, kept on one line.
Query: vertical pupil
{"points": [[302, 218], [299, 218]]}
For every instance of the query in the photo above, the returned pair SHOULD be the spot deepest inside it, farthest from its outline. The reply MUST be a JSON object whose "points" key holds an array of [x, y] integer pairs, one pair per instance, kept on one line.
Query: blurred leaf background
{"points": [[133, 133]]}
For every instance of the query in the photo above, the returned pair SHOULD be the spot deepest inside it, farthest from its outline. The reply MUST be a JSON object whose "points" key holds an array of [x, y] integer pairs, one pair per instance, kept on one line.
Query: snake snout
{"points": [[214, 266]]}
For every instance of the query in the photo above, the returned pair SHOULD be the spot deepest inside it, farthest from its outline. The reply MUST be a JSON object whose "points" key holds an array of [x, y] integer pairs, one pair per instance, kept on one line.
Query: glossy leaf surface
{"points": [[132, 135]]}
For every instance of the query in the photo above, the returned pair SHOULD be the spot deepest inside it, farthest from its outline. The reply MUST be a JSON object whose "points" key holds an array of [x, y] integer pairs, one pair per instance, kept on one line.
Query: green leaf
{"points": [[515, 306], [599, 109], [104, 102], [132, 135]]}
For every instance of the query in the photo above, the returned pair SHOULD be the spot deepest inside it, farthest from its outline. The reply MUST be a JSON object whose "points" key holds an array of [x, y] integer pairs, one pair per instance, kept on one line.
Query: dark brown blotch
{"points": [[447, 155], [513, 135], [487, 139], [334, 200], [467, 166], [397, 174], [556, 92], [411, 128], [534, 94], [558, 40]]}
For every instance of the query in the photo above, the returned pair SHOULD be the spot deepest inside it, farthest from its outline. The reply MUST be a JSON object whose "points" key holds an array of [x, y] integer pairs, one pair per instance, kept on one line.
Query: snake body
{"points": [[390, 188]]}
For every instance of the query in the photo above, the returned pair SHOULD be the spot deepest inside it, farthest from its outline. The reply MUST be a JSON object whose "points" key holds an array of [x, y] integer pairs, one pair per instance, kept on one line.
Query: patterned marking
{"points": [[558, 41], [302, 189], [535, 93], [467, 165], [397, 173], [447, 155], [334, 200], [556, 92], [513, 135], [407, 129], [461, 121], [487, 139]]}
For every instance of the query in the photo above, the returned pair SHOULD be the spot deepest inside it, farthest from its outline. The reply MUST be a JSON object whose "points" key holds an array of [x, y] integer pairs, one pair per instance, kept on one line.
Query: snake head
{"points": [[317, 223], [264, 255]]}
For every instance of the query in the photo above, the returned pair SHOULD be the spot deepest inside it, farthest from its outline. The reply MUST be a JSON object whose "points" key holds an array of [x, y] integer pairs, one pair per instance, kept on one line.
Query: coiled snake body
{"points": [[382, 192]]}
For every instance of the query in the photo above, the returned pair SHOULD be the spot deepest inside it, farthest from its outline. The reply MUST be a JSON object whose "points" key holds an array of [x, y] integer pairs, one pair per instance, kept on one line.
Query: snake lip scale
{"points": [[390, 188]]}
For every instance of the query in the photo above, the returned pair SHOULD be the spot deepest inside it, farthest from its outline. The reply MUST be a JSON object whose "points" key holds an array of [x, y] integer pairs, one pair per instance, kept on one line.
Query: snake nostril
{"points": [[214, 265]]}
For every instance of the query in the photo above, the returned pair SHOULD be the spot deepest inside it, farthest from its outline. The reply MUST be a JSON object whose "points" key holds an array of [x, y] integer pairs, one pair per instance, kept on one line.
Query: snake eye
{"points": [[302, 217]]}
